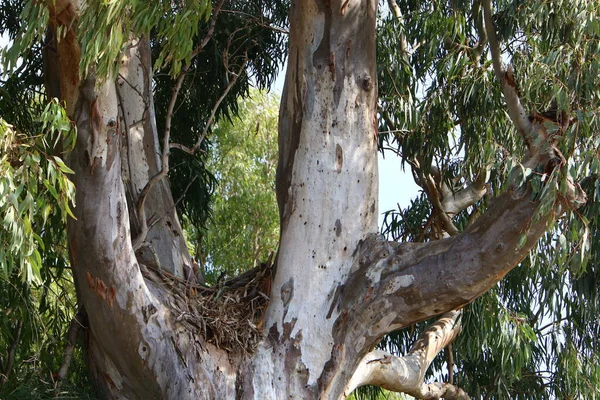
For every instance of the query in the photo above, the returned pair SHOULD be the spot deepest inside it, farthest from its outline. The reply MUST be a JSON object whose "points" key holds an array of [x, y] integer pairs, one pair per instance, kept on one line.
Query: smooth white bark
{"points": [[406, 374]]}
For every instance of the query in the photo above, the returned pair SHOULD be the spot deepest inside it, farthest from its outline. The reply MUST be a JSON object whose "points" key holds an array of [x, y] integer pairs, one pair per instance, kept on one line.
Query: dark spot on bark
{"points": [[367, 84], [288, 144], [147, 312], [273, 335], [331, 64], [339, 158], [287, 292], [338, 227], [288, 327], [321, 55], [330, 366], [293, 362], [119, 213]]}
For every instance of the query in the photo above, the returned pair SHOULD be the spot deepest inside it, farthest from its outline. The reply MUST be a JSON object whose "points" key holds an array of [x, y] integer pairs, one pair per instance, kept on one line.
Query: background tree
{"points": [[336, 287], [244, 228]]}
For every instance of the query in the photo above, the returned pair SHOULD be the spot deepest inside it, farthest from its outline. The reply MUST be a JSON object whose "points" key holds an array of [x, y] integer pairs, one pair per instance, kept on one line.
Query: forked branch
{"points": [[406, 374]]}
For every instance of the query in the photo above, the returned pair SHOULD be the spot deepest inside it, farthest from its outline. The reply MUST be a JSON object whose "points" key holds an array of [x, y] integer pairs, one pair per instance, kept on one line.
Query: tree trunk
{"points": [[327, 195], [337, 288]]}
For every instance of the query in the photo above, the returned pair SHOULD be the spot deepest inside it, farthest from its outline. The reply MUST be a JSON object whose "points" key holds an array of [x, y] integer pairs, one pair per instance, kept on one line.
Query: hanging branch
{"points": [[403, 44], [505, 76], [235, 76]]}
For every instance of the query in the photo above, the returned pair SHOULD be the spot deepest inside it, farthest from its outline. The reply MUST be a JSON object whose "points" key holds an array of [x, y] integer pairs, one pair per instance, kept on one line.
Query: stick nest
{"points": [[229, 315]]}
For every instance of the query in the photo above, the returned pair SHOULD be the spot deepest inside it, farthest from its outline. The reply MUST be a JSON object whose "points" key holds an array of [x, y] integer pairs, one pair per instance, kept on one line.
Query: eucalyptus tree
{"points": [[306, 326], [534, 334], [243, 229]]}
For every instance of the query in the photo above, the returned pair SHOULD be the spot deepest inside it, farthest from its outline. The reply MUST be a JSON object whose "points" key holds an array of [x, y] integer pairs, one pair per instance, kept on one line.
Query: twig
{"points": [[155, 221], [450, 362]]}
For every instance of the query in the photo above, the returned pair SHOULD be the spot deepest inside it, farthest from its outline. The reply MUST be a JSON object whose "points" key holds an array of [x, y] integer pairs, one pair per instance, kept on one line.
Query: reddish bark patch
{"points": [[98, 286]]}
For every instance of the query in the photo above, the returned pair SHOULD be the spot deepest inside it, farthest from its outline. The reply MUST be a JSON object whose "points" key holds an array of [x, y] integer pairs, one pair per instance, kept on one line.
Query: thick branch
{"points": [[406, 374], [410, 282]]}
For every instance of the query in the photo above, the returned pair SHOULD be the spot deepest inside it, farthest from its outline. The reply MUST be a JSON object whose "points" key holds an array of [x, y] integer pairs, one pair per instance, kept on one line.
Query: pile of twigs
{"points": [[230, 314]]}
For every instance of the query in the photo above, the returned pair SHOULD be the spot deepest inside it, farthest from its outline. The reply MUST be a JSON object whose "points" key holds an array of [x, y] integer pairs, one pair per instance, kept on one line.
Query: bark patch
{"points": [[287, 293], [338, 227], [97, 285], [339, 158]]}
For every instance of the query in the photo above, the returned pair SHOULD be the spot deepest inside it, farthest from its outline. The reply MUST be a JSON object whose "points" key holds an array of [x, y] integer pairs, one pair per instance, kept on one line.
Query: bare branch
{"points": [[456, 202], [258, 21], [406, 374], [140, 204], [450, 363], [398, 14], [434, 196], [505, 76], [478, 21]]}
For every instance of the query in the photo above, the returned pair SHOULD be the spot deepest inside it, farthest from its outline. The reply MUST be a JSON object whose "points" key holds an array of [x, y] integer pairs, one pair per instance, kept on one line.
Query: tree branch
{"points": [[74, 327], [406, 374], [515, 108], [140, 209], [399, 284], [479, 27], [434, 196], [456, 202], [12, 352], [403, 45]]}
